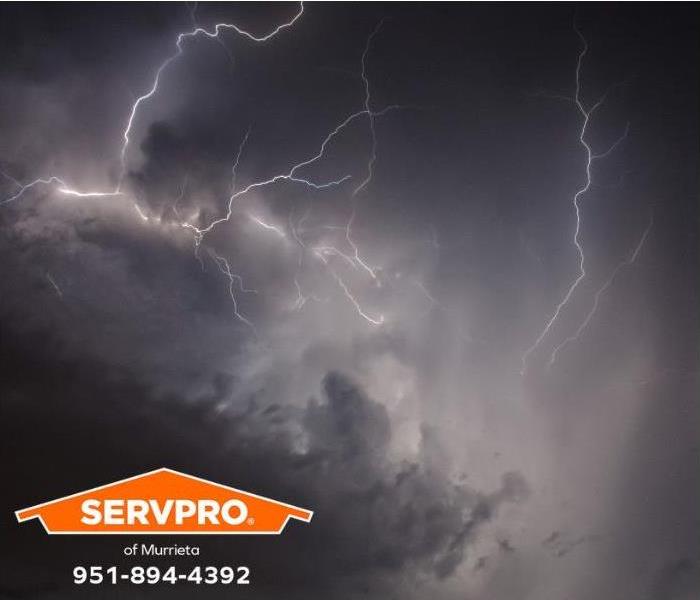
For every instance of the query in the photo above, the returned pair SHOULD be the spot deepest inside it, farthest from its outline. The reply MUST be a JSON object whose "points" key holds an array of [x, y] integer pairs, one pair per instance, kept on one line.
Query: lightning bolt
{"points": [[62, 188], [368, 110], [356, 251], [141, 213], [180, 197], [379, 320], [372, 156], [10, 178], [182, 37], [233, 279], [273, 228], [237, 162], [586, 115], [301, 298], [321, 253], [596, 298], [54, 285], [213, 33], [292, 175]]}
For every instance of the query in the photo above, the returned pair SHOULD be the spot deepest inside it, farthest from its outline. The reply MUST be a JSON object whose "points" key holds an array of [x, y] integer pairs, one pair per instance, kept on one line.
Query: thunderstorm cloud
{"points": [[325, 267]]}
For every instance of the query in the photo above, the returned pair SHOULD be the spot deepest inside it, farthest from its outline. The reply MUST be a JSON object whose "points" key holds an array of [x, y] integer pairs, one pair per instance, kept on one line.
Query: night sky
{"points": [[337, 263]]}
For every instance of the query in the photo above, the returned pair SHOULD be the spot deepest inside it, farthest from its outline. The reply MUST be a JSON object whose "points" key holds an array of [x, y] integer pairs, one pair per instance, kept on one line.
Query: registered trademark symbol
{"points": [[251, 521]]}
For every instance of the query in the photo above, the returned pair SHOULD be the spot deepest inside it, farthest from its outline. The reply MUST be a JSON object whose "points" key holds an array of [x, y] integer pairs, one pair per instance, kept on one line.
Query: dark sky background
{"points": [[435, 463]]}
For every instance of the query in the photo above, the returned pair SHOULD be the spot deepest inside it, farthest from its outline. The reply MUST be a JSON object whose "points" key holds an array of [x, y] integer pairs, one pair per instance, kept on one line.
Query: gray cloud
{"points": [[433, 466]]}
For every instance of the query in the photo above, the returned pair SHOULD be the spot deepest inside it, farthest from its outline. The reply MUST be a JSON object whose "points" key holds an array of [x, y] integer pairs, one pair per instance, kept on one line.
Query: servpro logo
{"points": [[160, 502]]}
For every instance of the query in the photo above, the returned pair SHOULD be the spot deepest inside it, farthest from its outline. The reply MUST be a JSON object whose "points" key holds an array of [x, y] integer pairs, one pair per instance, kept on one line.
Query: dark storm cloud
{"points": [[378, 515], [384, 519], [413, 511], [433, 467]]}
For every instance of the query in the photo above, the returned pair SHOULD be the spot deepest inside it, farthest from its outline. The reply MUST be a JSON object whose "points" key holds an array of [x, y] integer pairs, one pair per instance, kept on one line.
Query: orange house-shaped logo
{"points": [[164, 502]]}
